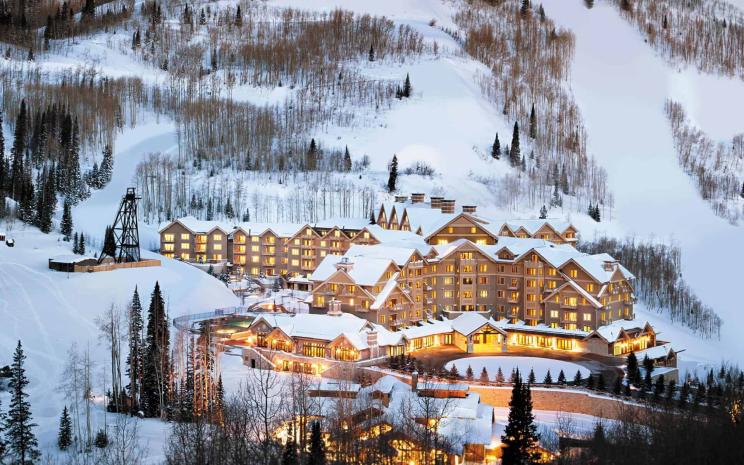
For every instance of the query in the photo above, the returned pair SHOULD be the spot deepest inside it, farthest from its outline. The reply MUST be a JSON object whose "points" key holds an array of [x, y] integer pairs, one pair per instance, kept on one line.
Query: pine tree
{"points": [[17, 153], [156, 368], [407, 89], [496, 148], [106, 170], [520, 437], [109, 243], [229, 212], [371, 56], [632, 370], [347, 159], [484, 375], [393, 177], [136, 349], [590, 382], [543, 213], [66, 224], [533, 123], [311, 160], [515, 154], [577, 378], [561, 378], [648, 367], [22, 443], [601, 383], [659, 387], [75, 244], [210, 209], [101, 440], [742, 190], [81, 245], [469, 373], [316, 455], [548, 378], [238, 17], [453, 373], [289, 455], [564, 181], [525, 9], [531, 377], [618, 385], [500, 376]]}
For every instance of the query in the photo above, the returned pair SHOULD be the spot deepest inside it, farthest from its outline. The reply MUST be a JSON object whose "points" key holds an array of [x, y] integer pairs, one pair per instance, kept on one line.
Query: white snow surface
{"points": [[524, 364]]}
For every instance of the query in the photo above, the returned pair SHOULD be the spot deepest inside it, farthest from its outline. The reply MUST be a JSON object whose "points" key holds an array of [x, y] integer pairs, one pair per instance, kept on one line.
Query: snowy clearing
{"points": [[539, 365]]}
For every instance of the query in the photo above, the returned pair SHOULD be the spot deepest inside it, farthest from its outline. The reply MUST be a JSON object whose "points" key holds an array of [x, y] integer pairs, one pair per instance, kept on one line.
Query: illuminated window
{"points": [[217, 246], [185, 236], [217, 237], [573, 273], [482, 268], [168, 247], [483, 294], [554, 314], [587, 317], [590, 287], [473, 230], [442, 242], [185, 245], [168, 237]]}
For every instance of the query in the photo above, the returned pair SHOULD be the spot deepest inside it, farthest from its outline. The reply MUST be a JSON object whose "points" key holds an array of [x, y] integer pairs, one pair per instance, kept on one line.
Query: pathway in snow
{"points": [[620, 85]]}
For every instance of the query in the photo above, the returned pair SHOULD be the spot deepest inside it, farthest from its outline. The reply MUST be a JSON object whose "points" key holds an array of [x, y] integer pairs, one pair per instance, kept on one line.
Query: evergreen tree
{"points": [[371, 56], [484, 376], [632, 370], [229, 212], [543, 213], [347, 159], [562, 378], [109, 243], [289, 455], [156, 367], [515, 154], [590, 382], [601, 383], [496, 148], [548, 378], [742, 190], [407, 89], [520, 435], [618, 387], [106, 170], [81, 244], [648, 368], [316, 455], [533, 123], [372, 219], [136, 350], [531, 377], [393, 177], [66, 224], [564, 181], [659, 387], [525, 9], [577, 381], [210, 209], [453, 372], [46, 203], [684, 394], [17, 153], [469, 373], [19, 434], [101, 440], [500, 376]]}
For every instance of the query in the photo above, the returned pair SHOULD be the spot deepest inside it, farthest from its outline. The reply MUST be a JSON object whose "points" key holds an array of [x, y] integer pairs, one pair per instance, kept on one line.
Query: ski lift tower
{"points": [[125, 231]]}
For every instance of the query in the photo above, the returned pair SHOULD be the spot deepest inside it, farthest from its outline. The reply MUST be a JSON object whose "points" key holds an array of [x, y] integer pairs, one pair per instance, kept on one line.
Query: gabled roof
{"points": [[447, 218], [365, 272], [388, 289], [469, 322], [593, 265], [620, 328], [196, 226], [531, 226], [399, 255], [580, 290], [307, 325]]}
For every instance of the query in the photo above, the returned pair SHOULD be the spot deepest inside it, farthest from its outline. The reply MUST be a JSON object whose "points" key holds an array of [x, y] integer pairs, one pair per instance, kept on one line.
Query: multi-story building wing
{"points": [[196, 241]]}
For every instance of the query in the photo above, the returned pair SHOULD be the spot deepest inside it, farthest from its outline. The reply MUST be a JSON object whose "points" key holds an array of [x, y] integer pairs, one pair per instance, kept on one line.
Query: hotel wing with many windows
{"points": [[423, 262]]}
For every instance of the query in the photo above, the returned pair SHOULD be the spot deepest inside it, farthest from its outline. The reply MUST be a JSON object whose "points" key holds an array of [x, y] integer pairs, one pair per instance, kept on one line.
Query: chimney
{"points": [[414, 381], [436, 202], [372, 338], [448, 206], [469, 208], [417, 197], [610, 265], [334, 308], [401, 198], [344, 265]]}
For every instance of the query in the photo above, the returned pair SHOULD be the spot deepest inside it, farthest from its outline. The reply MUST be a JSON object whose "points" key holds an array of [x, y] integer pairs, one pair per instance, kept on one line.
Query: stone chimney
{"points": [[345, 265], [414, 381], [469, 208], [334, 308], [417, 197], [401, 198], [448, 206], [436, 202]]}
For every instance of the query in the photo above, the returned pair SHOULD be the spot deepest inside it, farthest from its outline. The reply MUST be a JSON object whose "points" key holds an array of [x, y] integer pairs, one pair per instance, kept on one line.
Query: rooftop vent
{"points": [[469, 208], [417, 197], [448, 206], [401, 198], [436, 202]]}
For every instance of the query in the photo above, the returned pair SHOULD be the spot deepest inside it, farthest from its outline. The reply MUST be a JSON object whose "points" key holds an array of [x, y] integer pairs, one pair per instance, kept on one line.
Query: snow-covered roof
{"points": [[656, 352], [197, 226], [532, 225], [334, 385], [612, 331], [397, 238], [580, 290], [323, 327], [382, 297], [427, 328], [70, 258], [541, 328], [364, 272], [400, 255], [468, 322], [342, 223]]}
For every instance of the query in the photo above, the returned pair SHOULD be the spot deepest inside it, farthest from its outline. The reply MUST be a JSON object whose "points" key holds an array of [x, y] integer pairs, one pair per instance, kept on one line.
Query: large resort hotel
{"points": [[425, 275]]}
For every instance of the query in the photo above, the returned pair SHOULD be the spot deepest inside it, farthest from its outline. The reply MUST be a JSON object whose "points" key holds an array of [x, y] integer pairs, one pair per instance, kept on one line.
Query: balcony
{"points": [[513, 286], [468, 261], [416, 264], [565, 304]]}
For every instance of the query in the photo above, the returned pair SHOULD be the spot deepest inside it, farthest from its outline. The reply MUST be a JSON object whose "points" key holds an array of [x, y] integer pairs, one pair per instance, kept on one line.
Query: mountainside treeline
{"points": [[530, 60], [706, 34], [716, 167], [659, 283]]}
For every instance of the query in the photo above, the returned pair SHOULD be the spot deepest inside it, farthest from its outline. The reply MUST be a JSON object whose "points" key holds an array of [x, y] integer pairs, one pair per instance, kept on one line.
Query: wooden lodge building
{"points": [[423, 264]]}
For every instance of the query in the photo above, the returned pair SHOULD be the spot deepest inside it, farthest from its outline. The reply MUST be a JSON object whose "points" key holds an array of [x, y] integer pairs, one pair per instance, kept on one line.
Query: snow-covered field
{"points": [[507, 364]]}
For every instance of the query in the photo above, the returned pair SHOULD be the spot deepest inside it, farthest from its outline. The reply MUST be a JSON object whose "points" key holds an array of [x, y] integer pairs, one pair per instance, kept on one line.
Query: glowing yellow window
{"points": [[185, 236], [573, 273], [185, 256], [217, 237], [295, 262], [590, 287], [185, 245], [442, 242], [473, 230], [169, 237], [254, 238], [168, 247], [217, 246], [254, 259]]}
